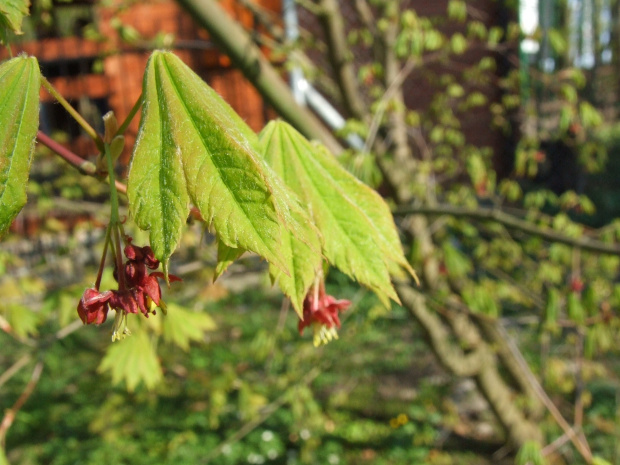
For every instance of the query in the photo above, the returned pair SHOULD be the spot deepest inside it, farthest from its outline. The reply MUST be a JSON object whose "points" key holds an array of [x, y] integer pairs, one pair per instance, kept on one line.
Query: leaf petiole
{"points": [[123, 127]]}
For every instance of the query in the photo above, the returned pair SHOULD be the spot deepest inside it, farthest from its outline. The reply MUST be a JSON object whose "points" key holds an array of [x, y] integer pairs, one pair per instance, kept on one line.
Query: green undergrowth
{"points": [[253, 391]]}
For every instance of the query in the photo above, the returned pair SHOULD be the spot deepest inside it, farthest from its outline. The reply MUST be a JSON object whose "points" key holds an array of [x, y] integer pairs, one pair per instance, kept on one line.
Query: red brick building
{"points": [[103, 73]]}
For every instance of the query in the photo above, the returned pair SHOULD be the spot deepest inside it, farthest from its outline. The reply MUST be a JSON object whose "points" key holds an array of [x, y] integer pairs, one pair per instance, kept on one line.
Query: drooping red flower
{"points": [[94, 305], [321, 312], [141, 254], [139, 291]]}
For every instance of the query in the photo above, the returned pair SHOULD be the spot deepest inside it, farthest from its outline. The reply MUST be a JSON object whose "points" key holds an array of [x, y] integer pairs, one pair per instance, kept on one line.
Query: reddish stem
{"points": [[84, 166], [105, 251], [9, 415], [119, 259]]}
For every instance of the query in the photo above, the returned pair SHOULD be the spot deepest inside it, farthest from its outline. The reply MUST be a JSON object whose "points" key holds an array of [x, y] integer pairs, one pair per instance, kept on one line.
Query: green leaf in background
{"points": [[181, 326], [599, 461], [357, 228], [133, 360], [457, 263], [20, 80], [193, 146], [12, 13], [530, 454], [575, 309], [22, 319]]}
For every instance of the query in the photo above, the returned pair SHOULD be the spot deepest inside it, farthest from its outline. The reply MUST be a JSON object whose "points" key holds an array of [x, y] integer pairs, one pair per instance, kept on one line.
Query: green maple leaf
{"points": [[20, 80], [300, 247], [301, 241], [133, 360], [182, 326], [193, 147], [359, 235]]}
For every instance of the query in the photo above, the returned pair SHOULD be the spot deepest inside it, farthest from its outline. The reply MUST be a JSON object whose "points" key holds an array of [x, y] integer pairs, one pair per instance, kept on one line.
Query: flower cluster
{"points": [[138, 292], [321, 312]]}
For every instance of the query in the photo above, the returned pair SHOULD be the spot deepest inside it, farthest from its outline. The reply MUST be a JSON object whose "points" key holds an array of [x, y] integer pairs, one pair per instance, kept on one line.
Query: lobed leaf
{"points": [[133, 360], [193, 147], [359, 236], [181, 326], [20, 80], [301, 244]]}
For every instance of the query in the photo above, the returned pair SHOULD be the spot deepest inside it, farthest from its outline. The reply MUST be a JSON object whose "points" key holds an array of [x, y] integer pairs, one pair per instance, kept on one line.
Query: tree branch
{"points": [[340, 58], [480, 364], [511, 222], [449, 355]]}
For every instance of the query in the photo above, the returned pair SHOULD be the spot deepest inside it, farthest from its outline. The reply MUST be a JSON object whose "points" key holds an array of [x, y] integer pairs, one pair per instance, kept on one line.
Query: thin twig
{"points": [[9, 416], [394, 86], [555, 445], [381, 107], [511, 222], [84, 166], [70, 328], [13, 369], [578, 440]]}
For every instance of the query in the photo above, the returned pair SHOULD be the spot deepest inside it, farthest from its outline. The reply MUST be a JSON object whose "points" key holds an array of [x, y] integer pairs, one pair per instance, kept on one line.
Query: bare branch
{"points": [[13, 369], [340, 58], [9, 415], [578, 440], [480, 364]]}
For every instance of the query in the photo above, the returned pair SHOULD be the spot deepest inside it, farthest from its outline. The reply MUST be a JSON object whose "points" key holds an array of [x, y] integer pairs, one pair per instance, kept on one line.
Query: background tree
{"points": [[484, 259], [504, 263]]}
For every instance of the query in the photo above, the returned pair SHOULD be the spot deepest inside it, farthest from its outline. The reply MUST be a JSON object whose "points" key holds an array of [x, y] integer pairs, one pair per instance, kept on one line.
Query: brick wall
{"points": [[70, 62]]}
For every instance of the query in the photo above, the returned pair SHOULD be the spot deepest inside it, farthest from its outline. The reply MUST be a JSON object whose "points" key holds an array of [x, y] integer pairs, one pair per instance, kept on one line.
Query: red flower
{"points": [[141, 254], [139, 291], [93, 307], [321, 312]]}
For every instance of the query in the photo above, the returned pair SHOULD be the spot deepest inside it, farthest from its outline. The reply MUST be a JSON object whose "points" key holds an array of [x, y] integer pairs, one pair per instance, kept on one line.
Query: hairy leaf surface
{"points": [[358, 232], [193, 147], [301, 241], [373, 205], [20, 80]]}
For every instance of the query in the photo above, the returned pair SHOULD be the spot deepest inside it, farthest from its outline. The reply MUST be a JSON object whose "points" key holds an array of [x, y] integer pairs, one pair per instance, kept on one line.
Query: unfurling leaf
{"points": [[359, 236], [133, 360], [193, 147], [20, 80]]}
